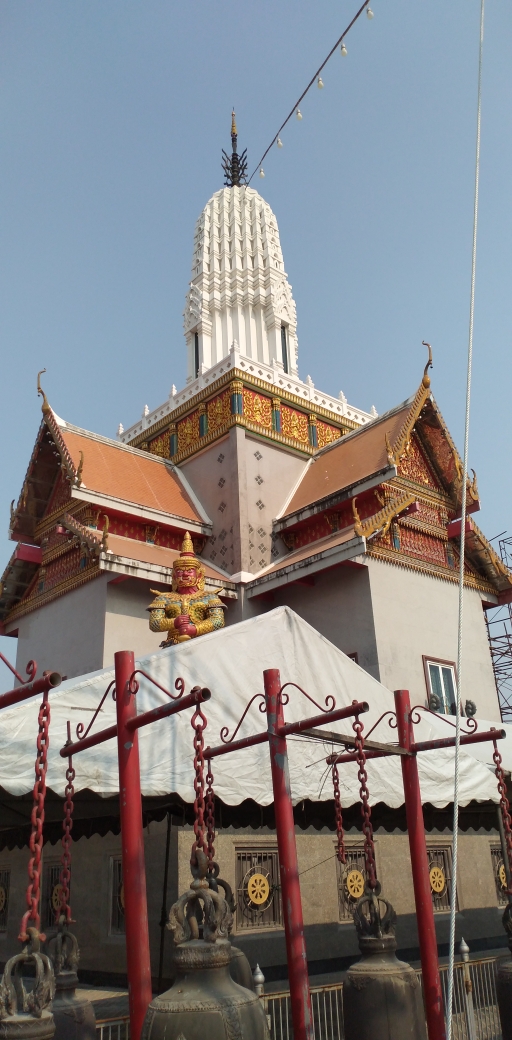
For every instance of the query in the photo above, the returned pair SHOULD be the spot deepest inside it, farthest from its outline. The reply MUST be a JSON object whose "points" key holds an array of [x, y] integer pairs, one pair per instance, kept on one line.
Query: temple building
{"points": [[292, 498]]}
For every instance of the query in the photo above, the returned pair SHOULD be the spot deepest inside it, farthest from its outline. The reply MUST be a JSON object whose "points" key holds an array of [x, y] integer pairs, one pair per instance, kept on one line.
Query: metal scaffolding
{"points": [[499, 629]]}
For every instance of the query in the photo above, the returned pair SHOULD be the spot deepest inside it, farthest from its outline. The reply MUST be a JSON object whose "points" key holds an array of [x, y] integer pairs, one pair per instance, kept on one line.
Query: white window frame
{"points": [[441, 685]]}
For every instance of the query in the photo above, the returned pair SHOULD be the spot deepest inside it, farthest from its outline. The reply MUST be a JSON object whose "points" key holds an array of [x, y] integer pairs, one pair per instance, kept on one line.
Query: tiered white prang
{"points": [[239, 289]]}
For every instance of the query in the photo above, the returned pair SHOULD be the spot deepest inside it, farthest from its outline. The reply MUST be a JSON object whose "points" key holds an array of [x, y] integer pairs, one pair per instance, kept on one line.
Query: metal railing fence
{"points": [[326, 1002]]}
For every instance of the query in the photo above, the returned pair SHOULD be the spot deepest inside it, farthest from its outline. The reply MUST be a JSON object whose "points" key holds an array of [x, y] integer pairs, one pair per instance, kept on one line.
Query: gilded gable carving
{"points": [[257, 408], [414, 466], [219, 411], [294, 424], [188, 431], [326, 434]]}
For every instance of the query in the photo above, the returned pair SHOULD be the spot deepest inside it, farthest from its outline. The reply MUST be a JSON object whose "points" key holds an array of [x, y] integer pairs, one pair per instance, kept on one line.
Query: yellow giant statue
{"points": [[188, 610]]}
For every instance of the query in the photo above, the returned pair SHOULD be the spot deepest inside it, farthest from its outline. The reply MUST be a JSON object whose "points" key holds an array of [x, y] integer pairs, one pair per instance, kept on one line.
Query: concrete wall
{"points": [[339, 606], [414, 615], [66, 635], [327, 937], [127, 619], [248, 526]]}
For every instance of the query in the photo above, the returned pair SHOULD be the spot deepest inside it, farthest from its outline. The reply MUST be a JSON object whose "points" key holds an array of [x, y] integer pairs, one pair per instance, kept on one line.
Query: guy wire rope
{"points": [[453, 903], [314, 79]]}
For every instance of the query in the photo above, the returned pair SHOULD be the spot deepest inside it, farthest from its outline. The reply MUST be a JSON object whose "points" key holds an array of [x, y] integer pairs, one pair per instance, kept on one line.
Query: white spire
{"points": [[239, 289]]}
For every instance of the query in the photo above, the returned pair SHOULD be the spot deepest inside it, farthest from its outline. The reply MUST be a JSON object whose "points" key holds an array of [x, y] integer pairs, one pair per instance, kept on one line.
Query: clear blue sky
{"points": [[113, 116]]}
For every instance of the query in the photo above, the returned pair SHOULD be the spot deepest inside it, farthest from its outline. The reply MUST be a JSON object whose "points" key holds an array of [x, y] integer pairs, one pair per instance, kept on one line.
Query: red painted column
{"points": [[420, 873], [300, 997], [134, 870]]}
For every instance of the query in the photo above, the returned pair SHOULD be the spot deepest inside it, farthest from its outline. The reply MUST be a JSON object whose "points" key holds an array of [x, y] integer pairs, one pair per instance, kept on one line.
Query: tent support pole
{"points": [[420, 873], [300, 997], [134, 870]]}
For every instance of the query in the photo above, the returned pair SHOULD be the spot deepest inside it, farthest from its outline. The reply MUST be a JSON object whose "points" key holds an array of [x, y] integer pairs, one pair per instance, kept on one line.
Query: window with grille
{"points": [[351, 882], [500, 877], [258, 890], [50, 894], [440, 677], [117, 926], [5, 882], [440, 875]]}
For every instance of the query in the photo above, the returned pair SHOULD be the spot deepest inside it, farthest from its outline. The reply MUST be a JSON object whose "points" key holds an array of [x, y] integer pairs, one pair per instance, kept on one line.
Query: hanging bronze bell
{"points": [[504, 979], [381, 995], [26, 1014], [204, 1001], [74, 1016], [239, 967]]}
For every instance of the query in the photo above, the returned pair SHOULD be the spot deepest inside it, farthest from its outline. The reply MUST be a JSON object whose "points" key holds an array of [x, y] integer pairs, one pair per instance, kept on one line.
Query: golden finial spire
{"points": [[234, 166], [187, 547], [45, 407]]}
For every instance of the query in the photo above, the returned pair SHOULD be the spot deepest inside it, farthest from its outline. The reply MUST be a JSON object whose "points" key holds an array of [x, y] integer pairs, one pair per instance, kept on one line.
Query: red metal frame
{"points": [[277, 730], [405, 720], [138, 963], [420, 872]]}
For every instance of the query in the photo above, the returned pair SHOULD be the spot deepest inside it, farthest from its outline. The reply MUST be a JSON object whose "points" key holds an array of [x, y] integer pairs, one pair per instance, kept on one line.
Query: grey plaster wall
{"points": [[127, 619], [415, 615], [66, 635], [339, 605], [270, 474], [243, 483], [213, 475]]}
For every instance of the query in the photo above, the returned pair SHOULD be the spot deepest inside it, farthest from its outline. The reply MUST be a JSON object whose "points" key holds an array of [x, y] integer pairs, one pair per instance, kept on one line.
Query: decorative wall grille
{"points": [[498, 869], [258, 902], [440, 869], [345, 873], [5, 884], [50, 894], [117, 925]]}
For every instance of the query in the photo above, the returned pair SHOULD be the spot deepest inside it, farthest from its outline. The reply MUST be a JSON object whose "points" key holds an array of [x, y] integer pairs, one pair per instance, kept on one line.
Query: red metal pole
{"points": [[134, 871], [420, 873], [290, 887], [22, 693]]}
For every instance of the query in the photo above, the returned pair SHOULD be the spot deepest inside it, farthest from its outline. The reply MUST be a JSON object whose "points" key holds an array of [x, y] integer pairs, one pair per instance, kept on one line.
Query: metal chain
{"points": [[505, 810], [340, 850], [210, 816], [366, 812], [199, 724], [65, 859], [37, 821]]}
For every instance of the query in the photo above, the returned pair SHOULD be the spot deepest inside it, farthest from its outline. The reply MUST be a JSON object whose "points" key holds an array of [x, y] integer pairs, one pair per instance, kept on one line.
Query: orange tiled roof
{"points": [[132, 549], [351, 459], [127, 474]]}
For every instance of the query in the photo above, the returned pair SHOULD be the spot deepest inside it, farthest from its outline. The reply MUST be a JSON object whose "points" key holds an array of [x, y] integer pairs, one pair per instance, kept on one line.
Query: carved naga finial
{"points": [[429, 364], [200, 912], [45, 407]]}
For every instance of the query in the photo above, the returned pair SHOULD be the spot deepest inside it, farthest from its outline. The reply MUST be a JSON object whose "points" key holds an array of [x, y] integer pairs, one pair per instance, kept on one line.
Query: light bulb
{"points": [[279, 142], [262, 174], [299, 114], [369, 12], [320, 83], [343, 51]]}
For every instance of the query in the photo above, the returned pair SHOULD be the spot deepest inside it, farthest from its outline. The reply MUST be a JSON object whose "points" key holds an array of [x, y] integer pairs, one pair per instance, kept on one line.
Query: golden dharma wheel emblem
{"points": [[437, 880], [354, 882], [3, 898], [56, 899], [502, 874], [258, 889]]}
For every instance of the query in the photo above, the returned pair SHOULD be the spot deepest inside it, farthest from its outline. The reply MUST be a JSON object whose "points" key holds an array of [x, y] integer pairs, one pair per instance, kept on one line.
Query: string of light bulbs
{"points": [[317, 78]]}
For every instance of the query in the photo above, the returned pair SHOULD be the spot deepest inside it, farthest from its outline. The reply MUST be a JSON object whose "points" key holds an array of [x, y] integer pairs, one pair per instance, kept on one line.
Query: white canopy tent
{"points": [[231, 662]]}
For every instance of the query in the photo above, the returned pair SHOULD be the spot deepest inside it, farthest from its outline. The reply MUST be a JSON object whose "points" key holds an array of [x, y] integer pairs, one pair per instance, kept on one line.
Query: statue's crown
{"points": [[187, 554]]}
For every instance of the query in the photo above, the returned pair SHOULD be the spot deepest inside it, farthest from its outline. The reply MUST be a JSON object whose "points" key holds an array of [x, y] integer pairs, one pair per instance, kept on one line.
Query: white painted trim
{"points": [[97, 498]]}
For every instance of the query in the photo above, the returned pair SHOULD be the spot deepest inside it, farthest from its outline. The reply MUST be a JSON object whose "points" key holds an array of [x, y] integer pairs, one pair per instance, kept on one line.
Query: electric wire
{"points": [[310, 84], [453, 902]]}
